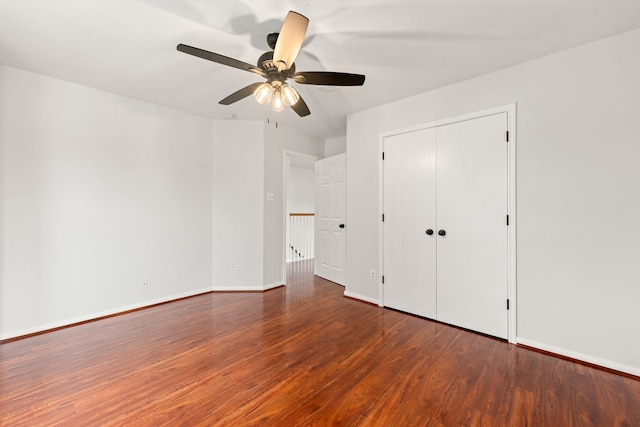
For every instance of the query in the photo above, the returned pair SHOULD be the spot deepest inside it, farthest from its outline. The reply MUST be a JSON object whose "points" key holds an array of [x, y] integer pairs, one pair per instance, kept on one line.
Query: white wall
{"points": [[276, 141], [248, 163], [335, 146], [99, 191], [96, 192], [300, 192], [238, 181], [578, 202]]}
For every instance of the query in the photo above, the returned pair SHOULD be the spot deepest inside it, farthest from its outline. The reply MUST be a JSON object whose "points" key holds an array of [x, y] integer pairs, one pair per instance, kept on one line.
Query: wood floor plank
{"points": [[300, 355]]}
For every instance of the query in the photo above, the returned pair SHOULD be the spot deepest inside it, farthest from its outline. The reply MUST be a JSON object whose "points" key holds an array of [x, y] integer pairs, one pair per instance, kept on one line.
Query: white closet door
{"points": [[472, 209], [330, 218], [409, 210]]}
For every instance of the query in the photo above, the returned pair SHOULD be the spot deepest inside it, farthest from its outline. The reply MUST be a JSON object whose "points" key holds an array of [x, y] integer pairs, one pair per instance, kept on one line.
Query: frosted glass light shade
{"points": [[263, 93], [277, 104], [289, 95]]}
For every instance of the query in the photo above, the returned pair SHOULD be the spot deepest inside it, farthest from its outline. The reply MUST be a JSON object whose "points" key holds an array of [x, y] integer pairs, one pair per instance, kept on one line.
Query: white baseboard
{"points": [[273, 285], [98, 315], [360, 297], [237, 289], [579, 356], [246, 288]]}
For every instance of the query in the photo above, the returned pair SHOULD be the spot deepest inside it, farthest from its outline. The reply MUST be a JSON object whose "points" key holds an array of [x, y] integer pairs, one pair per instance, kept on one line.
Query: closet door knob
{"points": [[442, 233], [429, 232]]}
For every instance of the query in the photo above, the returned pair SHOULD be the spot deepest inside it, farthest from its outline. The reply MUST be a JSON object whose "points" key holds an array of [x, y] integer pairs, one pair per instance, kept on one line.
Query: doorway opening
{"points": [[299, 209]]}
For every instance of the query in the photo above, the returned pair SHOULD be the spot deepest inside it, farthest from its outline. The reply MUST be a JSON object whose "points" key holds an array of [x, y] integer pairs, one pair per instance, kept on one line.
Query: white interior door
{"points": [[409, 210], [472, 210], [330, 218]]}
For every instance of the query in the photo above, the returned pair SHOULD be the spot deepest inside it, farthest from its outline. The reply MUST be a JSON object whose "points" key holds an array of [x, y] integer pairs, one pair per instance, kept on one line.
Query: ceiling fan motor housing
{"points": [[266, 63]]}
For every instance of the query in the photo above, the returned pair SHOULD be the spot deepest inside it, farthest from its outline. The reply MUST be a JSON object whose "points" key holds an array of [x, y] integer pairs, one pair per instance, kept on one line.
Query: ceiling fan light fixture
{"points": [[263, 93], [277, 67], [289, 95]]}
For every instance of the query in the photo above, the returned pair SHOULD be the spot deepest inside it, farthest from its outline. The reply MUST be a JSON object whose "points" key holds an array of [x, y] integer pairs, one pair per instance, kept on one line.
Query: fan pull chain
{"points": [[269, 117]]}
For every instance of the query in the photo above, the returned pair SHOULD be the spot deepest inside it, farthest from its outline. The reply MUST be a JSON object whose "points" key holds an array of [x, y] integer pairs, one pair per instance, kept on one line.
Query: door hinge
{"points": [[383, 155], [382, 217], [507, 304], [383, 279], [507, 136], [507, 219]]}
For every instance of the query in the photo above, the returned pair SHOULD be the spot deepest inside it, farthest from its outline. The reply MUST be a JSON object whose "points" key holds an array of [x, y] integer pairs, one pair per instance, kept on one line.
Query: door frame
{"points": [[288, 155], [510, 109]]}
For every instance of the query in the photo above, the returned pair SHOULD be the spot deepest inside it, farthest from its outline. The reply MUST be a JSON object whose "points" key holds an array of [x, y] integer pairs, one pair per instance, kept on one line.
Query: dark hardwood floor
{"points": [[297, 356]]}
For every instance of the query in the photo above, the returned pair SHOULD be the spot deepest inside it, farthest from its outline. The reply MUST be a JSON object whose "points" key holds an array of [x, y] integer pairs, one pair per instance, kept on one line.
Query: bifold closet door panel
{"points": [[472, 209], [409, 210]]}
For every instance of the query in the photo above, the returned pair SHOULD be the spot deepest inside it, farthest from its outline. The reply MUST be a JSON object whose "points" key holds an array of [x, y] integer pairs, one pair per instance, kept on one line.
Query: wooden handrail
{"points": [[302, 214]]}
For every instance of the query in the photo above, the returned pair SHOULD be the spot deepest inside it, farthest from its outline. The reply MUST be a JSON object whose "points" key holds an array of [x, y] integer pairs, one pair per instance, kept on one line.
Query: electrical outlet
{"points": [[372, 274], [144, 283], [233, 265]]}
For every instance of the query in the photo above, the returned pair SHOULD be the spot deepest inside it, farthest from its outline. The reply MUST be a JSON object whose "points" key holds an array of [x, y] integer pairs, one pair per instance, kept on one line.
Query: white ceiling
{"points": [[404, 47]]}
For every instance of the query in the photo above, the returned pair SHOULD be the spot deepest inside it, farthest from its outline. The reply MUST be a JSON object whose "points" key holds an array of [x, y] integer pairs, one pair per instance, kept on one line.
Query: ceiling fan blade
{"points": [[290, 40], [220, 59], [329, 78], [241, 94], [301, 108]]}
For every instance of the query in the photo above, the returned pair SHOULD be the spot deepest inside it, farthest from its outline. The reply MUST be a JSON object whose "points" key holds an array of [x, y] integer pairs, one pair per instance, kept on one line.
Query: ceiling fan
{"points": [[277, 66]]}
